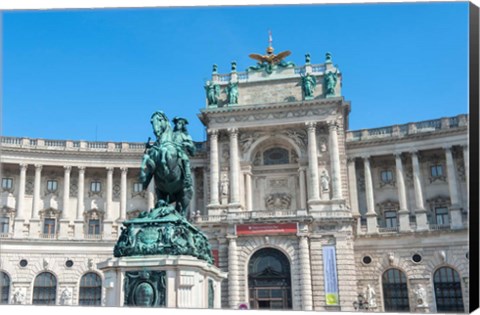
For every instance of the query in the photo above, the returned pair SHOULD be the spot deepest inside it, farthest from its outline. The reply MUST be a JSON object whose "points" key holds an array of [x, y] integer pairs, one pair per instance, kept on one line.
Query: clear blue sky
{"points": [[99, 74]]}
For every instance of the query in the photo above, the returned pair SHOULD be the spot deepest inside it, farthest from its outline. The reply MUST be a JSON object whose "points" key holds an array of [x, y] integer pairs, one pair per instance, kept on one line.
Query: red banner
{"points": [[215, 256], [266, 229]]}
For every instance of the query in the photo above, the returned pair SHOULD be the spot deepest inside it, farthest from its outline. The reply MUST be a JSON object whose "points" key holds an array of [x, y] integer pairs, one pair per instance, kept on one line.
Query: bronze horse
{"points": [[163, 162]]}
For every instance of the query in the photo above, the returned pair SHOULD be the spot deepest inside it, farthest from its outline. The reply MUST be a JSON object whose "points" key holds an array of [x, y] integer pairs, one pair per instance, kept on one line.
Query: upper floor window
{"points": [[137, 187], [436, 170], [275, 156], [49, 226], [441, 216], [386, 176], [94, 227], [95, 187], [7, 183], [390, 219], [52, 185], [4, 225]]}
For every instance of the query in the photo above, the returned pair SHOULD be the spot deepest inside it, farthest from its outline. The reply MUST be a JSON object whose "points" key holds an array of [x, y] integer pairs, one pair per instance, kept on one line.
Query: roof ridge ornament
{"points": [[270, 60]]}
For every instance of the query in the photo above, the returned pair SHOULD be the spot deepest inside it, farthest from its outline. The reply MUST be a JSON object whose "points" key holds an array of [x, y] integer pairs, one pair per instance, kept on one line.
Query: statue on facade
{"points": [[232, 92], [66, 297], [308, 85], [307, 59], [325, 180], [18, 296], [329, 82], [370, 296], [213, 92], [420, 296], [165, 228]]}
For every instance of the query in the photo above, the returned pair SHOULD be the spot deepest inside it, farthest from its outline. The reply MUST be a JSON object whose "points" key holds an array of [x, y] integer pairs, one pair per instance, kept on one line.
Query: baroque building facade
{"points": [[302, 213]]}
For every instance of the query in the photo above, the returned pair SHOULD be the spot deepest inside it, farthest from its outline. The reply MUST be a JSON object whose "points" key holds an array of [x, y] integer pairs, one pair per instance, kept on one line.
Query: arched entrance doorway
{"points": [[269, 281]]}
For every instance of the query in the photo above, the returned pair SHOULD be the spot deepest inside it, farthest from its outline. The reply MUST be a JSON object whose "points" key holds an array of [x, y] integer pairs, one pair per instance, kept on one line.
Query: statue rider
{"points": [[184, 140]]}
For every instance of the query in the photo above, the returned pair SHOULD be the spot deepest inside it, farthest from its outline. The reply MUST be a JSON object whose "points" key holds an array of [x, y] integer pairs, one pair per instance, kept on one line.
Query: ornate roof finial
{"points": [[270, 58], [270, 40]]}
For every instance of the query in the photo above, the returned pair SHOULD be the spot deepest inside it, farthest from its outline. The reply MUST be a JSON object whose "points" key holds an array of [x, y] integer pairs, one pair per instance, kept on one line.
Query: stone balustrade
{"points": [[400, 131]]}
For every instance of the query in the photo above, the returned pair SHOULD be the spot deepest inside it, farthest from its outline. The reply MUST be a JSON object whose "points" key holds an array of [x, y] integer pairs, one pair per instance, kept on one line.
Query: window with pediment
{"points": [[7, 216], [439, 211], [436, 169], [50, 218], [93, 222], [388, 211]]}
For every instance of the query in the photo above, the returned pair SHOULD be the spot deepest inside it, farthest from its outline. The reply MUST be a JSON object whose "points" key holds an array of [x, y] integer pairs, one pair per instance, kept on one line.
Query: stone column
{"points": [[21, 192], [352, 183], [466, 160], [66, 216], [314, 191], [248, 190], [420, 211], [335, 159], [81, 194], [303, 190], [20, 215], [455, 209], [233, 287], [372, 225], [403, 213], [213, 167], [305, 275], [234, 168], [123, 194], [108, 222], [205, 189], [36, 191], [151, 195], [193, 203], [80, 204]]}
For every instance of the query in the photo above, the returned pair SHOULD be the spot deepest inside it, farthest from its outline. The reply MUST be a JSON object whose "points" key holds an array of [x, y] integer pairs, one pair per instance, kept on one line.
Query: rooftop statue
{"points": [[308, 85], [165, 228], [270, 61], [330, 81], [213, 92]]}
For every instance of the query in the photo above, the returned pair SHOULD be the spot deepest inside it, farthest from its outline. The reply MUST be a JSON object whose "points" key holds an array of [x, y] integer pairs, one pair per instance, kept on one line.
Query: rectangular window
{"points": [[93, 227], [441, 216], [52, 185], [4, 225], [137, 187], [7, 183], [95, 187], [386, 176], [436, 170], [49, 226], [390, 219]]}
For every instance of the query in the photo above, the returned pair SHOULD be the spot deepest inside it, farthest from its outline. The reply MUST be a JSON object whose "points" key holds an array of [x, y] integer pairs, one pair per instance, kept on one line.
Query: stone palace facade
{"points": [[302, 213]]}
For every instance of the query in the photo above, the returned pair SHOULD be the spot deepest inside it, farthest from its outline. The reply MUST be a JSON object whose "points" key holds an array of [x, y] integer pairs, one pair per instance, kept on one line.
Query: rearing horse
{"points": [[162, 161]]}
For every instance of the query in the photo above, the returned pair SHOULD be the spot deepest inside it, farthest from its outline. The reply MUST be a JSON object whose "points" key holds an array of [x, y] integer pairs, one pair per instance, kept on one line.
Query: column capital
{"points": [[366, 157], [233, 132], [351, 159], [124, 169], [397, 155], [332, 124], [38, 167], [232, 238], [67, 168], [110, 169], [302, 169], [448, 148], [213, 132], [311, 125], [81, 169], [23, 166]]}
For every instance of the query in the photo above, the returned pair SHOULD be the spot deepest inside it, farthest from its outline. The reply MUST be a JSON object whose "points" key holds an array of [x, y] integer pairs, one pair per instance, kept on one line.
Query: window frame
{"points": [[7, 183], [95, 187], [391, 219], [442, 216], [49, 229], [94, 229], [44, 294], [90, 290], [54, 182], [4, 222]]}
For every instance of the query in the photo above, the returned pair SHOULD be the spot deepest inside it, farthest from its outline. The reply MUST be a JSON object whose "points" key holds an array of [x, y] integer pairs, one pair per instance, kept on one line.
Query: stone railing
{"points": [[93, 236], [68, 145], [48, 236], [5, 235], [399, 131]]}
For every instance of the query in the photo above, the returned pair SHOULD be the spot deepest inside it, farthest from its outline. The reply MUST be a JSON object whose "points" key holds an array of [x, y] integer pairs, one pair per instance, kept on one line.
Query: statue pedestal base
{"points": [[170, 281]]}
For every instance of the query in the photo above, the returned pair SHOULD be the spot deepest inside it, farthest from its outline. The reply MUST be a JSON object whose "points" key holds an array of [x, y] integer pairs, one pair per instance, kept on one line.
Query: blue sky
{"points": [[98, 74]]}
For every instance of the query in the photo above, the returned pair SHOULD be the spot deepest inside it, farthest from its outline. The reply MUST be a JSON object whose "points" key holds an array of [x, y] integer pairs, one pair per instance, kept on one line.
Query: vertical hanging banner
{"points": [[330, 275]]}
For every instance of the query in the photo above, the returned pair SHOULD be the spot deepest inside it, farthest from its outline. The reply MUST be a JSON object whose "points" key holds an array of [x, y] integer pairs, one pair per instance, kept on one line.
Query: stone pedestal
{"points": [[107, 229], [19, 228], [78, 232], [35, 228], [177, 282], [63, 229]]}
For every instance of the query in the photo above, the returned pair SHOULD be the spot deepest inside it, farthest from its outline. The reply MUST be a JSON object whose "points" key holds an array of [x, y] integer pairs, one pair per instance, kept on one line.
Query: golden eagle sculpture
{"points": [[269, 61]]}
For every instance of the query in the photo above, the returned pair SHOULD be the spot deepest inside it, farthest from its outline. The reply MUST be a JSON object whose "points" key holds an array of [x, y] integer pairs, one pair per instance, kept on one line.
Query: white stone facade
{"points": [[270, 161]]}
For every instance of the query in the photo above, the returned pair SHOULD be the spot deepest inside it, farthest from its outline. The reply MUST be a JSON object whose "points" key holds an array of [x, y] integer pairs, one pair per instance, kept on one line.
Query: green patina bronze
{"points": [[211, 294], [164, 230], [145, 288], [269, 67], [329, 82], [308, 85], [232, 93], [213, 92]]}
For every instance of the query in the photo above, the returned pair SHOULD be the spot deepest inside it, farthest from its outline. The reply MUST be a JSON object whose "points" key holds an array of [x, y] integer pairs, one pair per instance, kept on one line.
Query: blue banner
{"points": [[330, 275]]}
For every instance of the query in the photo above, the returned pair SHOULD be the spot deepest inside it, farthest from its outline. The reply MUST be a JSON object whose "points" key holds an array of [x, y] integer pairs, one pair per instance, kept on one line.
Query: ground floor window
{"points": [[269, 280], [395, 291], [448, 290], [45, 289], [90, 290], [4, 287]]}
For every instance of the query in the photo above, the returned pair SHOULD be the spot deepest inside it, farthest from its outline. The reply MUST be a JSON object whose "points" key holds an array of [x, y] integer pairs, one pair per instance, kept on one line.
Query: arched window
{"points": [[395, 291], [4, 287], [90, 290], [269, 280], [448, 290], [275, 156], [44, 289]]}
